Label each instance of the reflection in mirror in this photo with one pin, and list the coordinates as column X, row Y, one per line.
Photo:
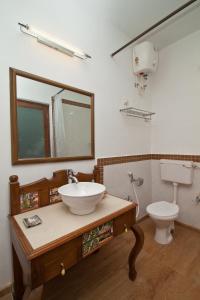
column 33, row 129
column 76, row 116
column 52, row 121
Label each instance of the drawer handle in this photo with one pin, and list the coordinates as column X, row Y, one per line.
column 125, row 228
column 63, row 271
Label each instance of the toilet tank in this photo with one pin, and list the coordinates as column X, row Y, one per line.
column 177, row 171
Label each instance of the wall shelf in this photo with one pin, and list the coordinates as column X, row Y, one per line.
column 137, row 113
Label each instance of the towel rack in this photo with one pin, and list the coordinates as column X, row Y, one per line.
column 137, row 113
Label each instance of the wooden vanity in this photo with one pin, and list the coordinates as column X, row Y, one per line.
column 62, row 240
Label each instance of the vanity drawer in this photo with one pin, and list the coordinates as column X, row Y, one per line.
column 51, row 264
column 124, row 221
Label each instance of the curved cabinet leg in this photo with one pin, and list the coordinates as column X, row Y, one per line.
column 139, row 235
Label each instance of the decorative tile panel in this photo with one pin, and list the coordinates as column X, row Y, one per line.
column 54, row 195
column 93, row 239
column 29, row 201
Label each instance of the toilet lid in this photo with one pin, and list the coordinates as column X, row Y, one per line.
column 163, row 209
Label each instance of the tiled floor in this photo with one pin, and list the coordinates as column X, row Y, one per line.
column 170, row 272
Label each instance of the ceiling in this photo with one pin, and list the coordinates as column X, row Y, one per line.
column 134, row 16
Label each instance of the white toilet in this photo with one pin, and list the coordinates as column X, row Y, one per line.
column 164, row 213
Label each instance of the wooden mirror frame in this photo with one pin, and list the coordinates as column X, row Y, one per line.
column 13, row 114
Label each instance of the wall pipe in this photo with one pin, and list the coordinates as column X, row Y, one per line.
column 182, row 7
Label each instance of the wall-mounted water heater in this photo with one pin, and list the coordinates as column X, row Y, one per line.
column 145, row 58
column 145, row 62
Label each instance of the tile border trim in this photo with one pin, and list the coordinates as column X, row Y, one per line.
column 101, row 162
column 195, row 158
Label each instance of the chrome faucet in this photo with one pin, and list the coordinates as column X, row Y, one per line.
column 138, row 181
column 71, row 176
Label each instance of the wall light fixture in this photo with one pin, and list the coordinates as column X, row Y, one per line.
column 26, row 29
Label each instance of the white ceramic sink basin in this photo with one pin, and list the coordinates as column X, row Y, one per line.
column 82, row 197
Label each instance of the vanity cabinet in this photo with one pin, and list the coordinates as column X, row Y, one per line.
column 55, row 262
column 124, row 222
column 50, row 249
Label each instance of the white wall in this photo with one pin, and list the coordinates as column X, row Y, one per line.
column 175, row 93
column 118, row 184
column 110, row 79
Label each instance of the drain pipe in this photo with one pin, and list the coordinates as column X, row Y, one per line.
column 175, row 185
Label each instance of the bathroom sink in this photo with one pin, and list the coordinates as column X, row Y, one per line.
column 82, row 197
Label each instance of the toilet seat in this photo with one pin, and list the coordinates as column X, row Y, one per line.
column 163, row 210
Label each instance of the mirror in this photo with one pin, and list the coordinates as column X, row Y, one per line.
column 49, row 121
